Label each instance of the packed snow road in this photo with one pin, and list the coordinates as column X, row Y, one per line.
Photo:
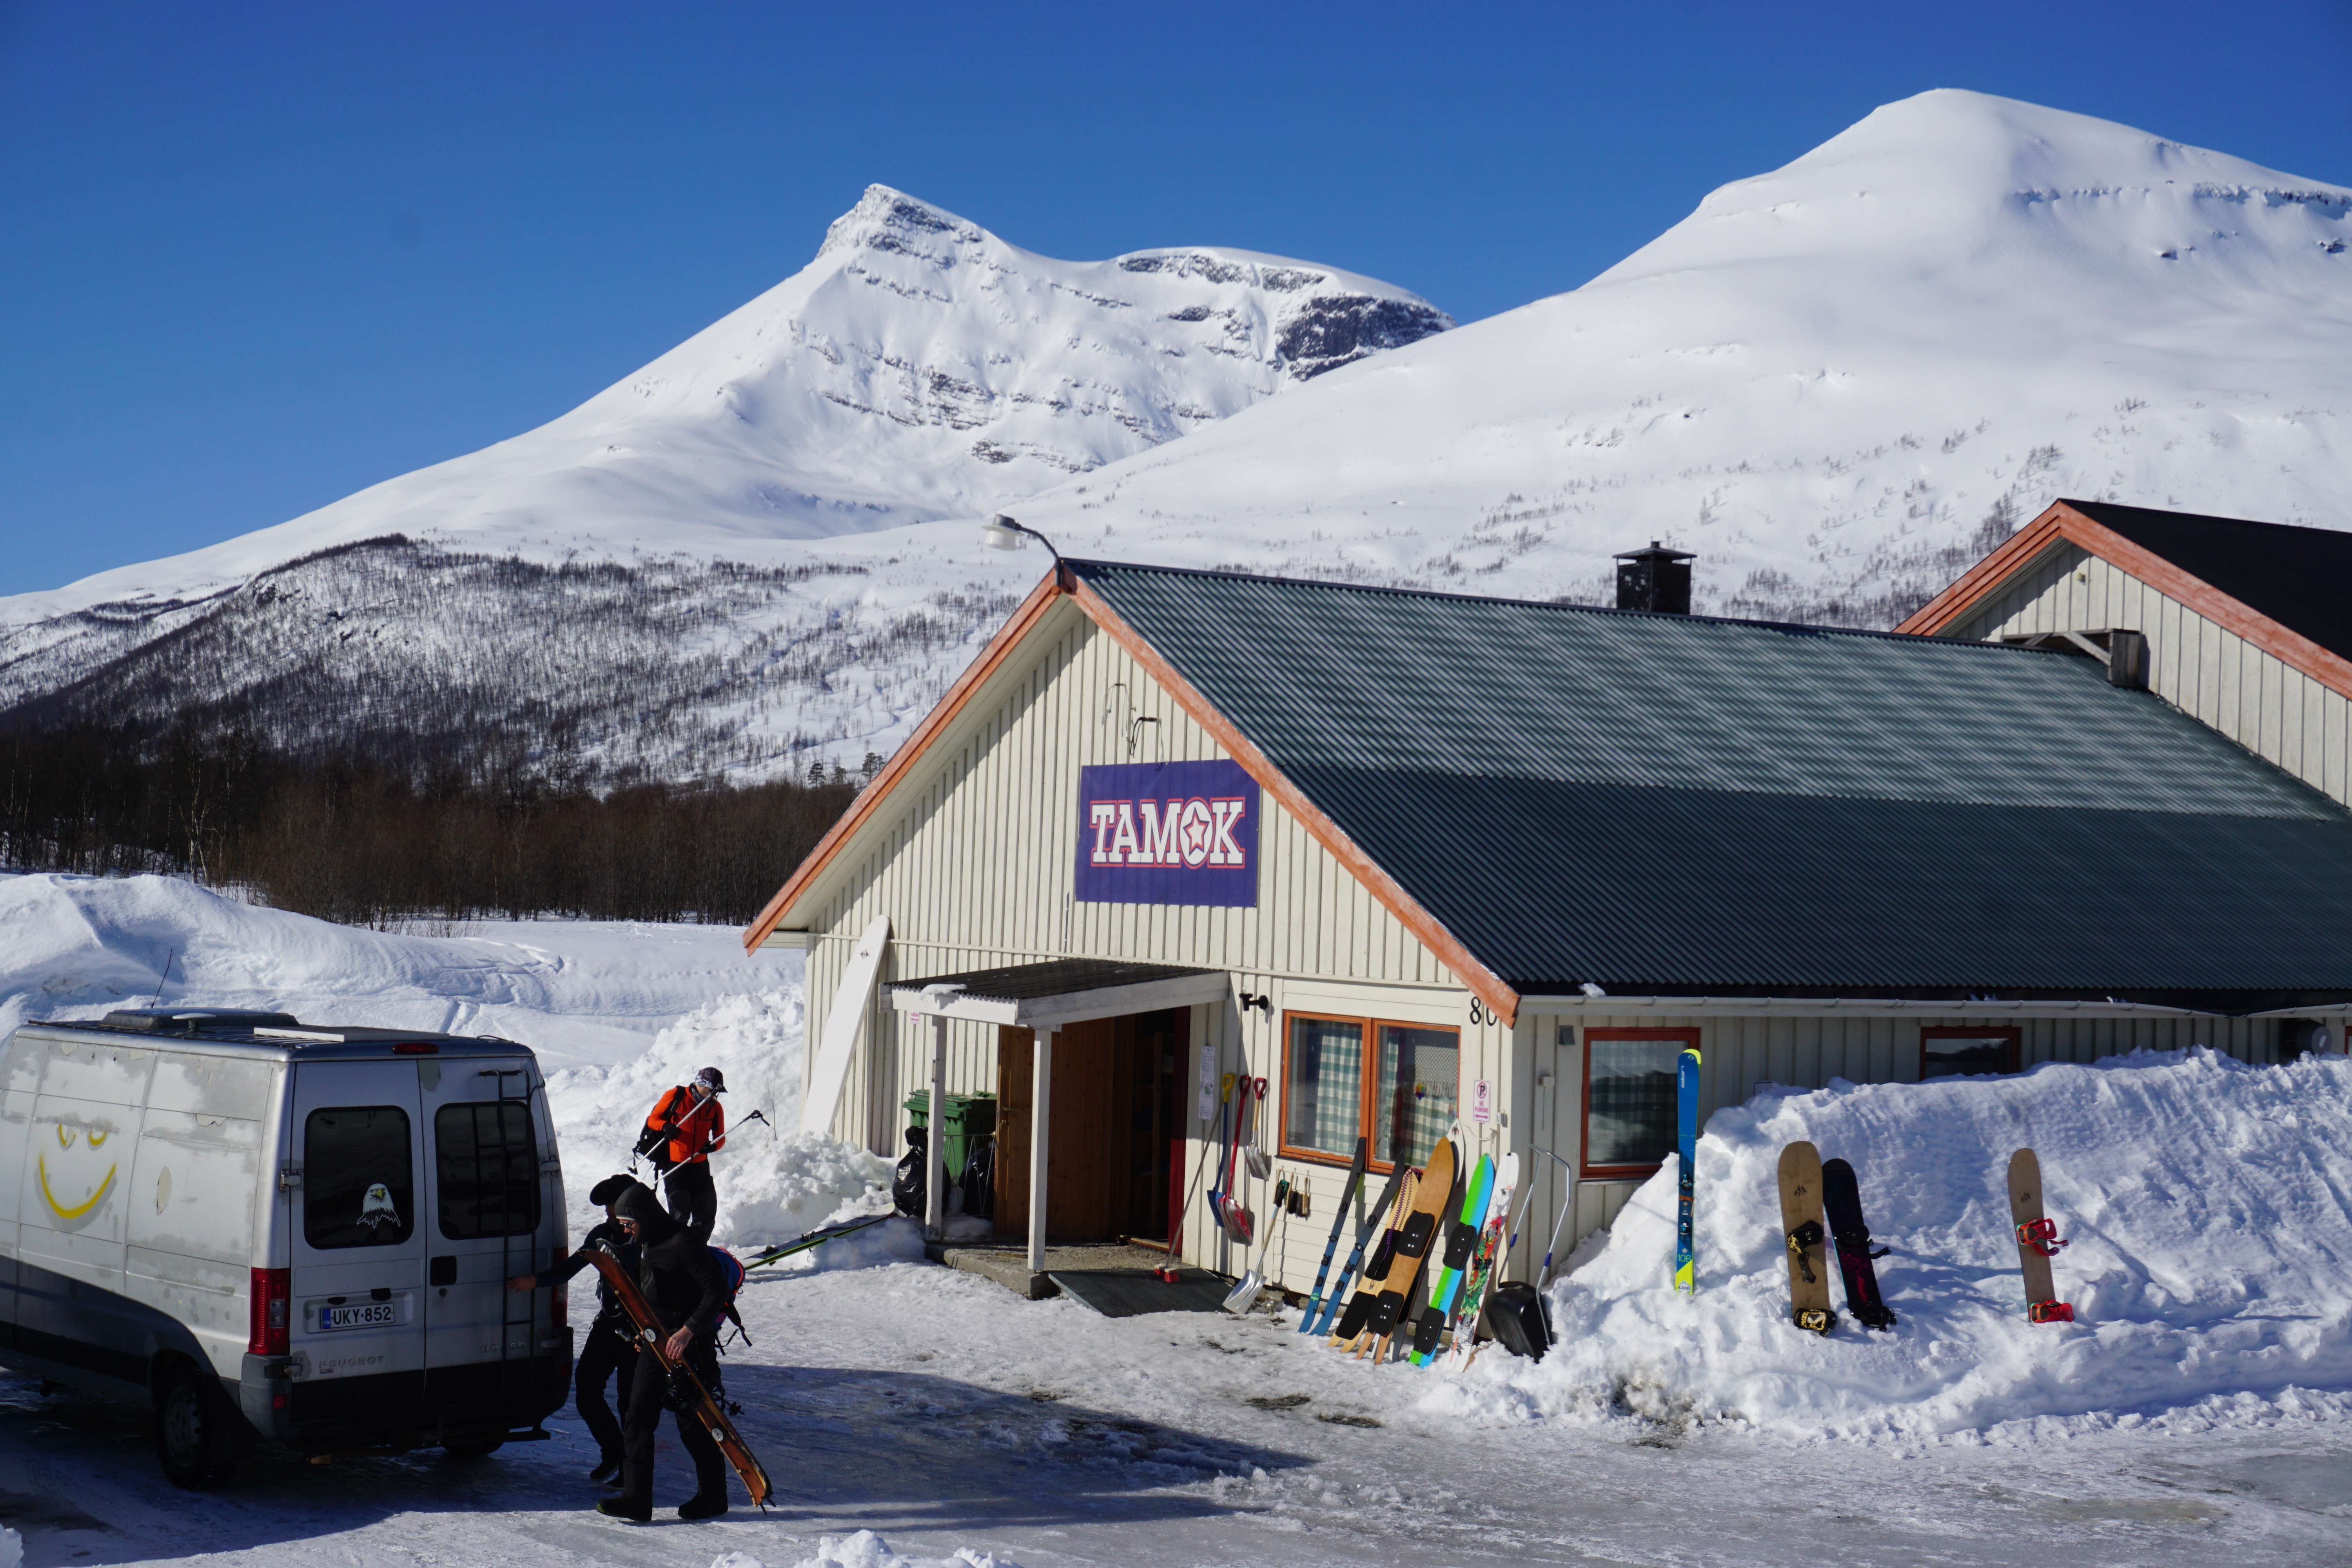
column 939, row 1411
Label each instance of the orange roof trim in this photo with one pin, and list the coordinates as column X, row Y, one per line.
column 2062, row 525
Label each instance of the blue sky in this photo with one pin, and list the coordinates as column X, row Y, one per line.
column 258, row 256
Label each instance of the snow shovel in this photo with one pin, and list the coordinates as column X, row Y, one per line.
column 1239, row 1223
column 1244, row 1294
column 1253, row 1153
column 1218, row 1196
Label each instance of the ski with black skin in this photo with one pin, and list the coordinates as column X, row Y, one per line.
column 1842, row 1208
column 652, row 1340
column 1398, row 1193
column 1313, row 1308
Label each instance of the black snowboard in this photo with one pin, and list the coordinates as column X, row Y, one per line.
column 1841, row 1207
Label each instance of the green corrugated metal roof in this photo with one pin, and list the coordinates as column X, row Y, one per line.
column 1680, row 802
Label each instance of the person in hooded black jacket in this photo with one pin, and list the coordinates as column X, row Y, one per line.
column 612, row 1343
column 682, row 1284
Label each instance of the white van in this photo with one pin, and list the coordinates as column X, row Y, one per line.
column 270, row 1230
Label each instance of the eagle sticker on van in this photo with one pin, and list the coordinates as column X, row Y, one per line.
column 377, row 1209
column 73, row 1183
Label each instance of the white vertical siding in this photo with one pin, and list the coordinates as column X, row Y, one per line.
column 2213, row 674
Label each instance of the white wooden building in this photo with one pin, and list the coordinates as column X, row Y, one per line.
column 1416, row 859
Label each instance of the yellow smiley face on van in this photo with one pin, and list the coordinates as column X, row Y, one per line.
column 76, row 1171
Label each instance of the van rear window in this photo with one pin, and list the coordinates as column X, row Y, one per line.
column 487, row 1160
column 358, row 1183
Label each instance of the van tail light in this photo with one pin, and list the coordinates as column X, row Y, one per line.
column 273, row 1292
column 559, row 1298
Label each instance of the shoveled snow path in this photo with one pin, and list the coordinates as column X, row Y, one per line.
column 939, row 1410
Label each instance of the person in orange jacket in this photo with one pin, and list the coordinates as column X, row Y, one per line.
column 686, row 1127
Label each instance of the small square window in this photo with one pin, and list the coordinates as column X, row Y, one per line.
column 1630, row 1121
column 1952, row 1052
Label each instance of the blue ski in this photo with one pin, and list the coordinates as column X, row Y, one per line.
column 1364, row 1231
column 1314, row 1307
column 1687, row 1143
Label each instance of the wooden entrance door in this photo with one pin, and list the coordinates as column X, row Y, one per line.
column 1116, row 1113
column 1086, row 1158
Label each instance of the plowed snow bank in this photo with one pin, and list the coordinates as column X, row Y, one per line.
column 2211, row 1208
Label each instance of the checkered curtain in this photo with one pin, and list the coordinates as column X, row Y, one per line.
column 1419, row 1090
column 1327, row 1067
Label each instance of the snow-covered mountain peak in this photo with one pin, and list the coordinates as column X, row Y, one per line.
column 885, row 219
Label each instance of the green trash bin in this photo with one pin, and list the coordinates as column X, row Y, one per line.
column 970, row 1116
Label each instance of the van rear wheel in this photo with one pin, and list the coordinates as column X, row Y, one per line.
column 191, row 1432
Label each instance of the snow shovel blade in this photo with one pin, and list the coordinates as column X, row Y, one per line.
column 1243, row 1295
column 1239, row 1224
column 1260, row 1164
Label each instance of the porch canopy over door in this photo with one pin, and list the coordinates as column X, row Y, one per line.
column 1042, row 997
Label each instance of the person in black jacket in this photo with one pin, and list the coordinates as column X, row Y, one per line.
column 682, row 1284
column 612, row 1343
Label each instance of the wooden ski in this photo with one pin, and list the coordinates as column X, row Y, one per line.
column 1801, row 1232
column 2037, row 1240
column 1414, row 1241
column 1350, row 1330
column 653, row 1340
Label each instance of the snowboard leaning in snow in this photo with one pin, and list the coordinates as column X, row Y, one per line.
column 1686, row 1186
column 1841, row 1205
column 700, row 1404
column 2037, row 1240
column 1801, row 1227
column 1413, row 1237
column 1456, row 1254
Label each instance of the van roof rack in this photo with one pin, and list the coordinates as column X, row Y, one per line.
column 188, row 1020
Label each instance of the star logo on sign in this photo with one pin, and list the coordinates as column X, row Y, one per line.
column 1196, row 832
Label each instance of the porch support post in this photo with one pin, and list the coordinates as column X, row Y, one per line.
column 1041, row 1087
column 935, row 1151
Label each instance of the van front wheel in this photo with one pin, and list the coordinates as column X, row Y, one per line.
column 190, row 1438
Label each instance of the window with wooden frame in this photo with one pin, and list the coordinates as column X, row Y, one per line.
column 1953, row 1050
column 1398, row 1085
column 1629, row 1099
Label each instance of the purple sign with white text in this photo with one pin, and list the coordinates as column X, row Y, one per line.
column 1167, row 833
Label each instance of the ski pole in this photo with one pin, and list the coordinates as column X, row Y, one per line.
column 1544, row 1277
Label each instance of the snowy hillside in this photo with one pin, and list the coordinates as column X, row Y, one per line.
column 919, row 367
column 1838, row 383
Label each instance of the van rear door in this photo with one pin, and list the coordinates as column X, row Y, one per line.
column 487, row 1211
column 359, row 1294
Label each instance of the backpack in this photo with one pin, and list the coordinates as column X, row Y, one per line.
column 730, row 1269
column 907, row 1188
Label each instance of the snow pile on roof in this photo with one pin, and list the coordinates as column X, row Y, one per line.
column 2210, row 1205
column 573, row 991
column 774, row 1181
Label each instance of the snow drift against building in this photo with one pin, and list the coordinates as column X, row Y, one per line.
column 2209, row 1207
